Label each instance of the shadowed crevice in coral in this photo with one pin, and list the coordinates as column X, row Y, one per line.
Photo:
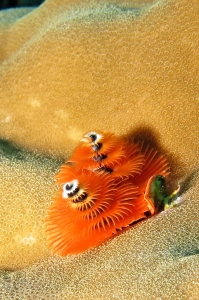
column 5, row 4
column 185, row 250
column 11, row 151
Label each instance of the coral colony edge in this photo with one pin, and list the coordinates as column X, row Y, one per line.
column 107, row 184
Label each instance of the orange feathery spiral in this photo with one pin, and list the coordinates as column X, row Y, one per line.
column 107, row 152
column 105, row 186
column 89, row 209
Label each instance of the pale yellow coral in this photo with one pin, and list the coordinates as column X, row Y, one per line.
column 26, row 189
column 69, row 67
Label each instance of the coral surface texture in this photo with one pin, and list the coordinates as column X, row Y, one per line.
column 69, row 67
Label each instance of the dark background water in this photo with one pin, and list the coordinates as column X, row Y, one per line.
column 18, row 3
